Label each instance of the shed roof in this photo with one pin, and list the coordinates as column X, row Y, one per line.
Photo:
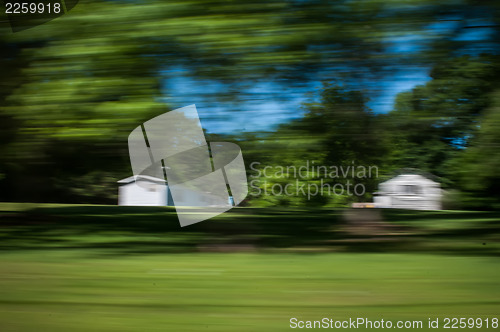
column 411, row 178
column 148, row 178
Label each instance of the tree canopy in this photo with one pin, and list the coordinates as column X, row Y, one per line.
column 72, row 89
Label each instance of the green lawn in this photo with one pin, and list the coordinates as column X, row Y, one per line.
column 74, row 268
column 69, row 291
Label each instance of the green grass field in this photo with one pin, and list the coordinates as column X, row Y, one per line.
column 88, row 268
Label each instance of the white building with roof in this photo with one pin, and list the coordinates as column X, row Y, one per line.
column 409, row 191
column 147, row 191
column 152, row 191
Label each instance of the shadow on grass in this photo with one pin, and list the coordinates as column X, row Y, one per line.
column 117, row 230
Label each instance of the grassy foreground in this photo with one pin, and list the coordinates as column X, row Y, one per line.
column 63, row 291
column 74, row 268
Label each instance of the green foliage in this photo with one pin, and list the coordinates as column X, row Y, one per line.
column 72, row 89
column 433, row 123
column 75, row 87
column 337, row 133
column 477, row 169
column 447, row 127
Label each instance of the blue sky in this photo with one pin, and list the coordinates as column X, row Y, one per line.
column 267, row 104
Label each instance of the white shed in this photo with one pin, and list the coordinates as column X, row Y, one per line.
column 151, row 192
column 409, row 191
column 154, row 191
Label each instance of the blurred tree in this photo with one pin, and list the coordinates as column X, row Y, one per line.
column 477, row 169
column 82, row 90
column 85, row 80
column 433, row 123
column 338, row 132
